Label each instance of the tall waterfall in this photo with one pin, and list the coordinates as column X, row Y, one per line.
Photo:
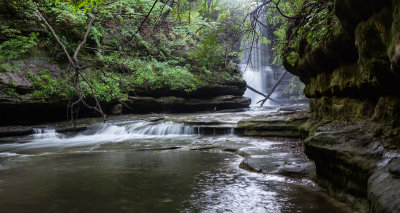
column 255, row 65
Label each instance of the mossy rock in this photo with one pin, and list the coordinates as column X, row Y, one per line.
column 279, row 126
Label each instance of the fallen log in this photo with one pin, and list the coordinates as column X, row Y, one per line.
column 260, row 93
column 273, row 88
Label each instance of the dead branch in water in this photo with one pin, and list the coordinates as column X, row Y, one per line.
column 264, row 95
column 273, row 88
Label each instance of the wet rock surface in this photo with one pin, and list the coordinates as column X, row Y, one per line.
column 284, row 157
column 356, row 165
column 384, row 192
column 281, row 125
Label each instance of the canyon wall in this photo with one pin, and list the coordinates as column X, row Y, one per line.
column 352, row 79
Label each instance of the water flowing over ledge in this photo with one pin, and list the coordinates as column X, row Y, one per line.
column 108, row 132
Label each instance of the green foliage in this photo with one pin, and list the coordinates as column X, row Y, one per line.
column 314, row 21
column 10, row 92
column 48, row 88
column 85, row 5
column 295, row 89
column 155, row 57
column 210, row 51
column 105, row 89
column 6, row 67
column 179, row 78
column 15, row 43
column 319, row 25
column 152, row 75
column 9, row 67
column 281, row 26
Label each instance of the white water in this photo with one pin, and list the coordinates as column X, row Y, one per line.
column 255, row 65
column 107, row 132
column 46, row 134
column 141, row 128
column 258, row 78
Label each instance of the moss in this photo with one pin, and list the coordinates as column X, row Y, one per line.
column 295, row 89
column 387, row 116
column 309, row 128
column 48, row 88
column 318, row 86
column 374, row 41
column 10, row 91
column 343, row 81
column 342, row 109
column 272, row 128
column 6, row 67
column 9, row 67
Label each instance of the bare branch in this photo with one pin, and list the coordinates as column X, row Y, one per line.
column 262, row 94
column 273, row 88
column 281, row 13
column 74, row 62
column 144, row 20
column 55, row 35
column 84, row 39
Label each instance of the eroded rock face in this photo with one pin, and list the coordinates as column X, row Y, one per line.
column 283, row 125
column 179, row 104
column 383, row 188
column 353, row 82
column 31, row 112
column 25, row 109
column 14, row 74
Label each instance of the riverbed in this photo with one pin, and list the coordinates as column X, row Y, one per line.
column 157, row 163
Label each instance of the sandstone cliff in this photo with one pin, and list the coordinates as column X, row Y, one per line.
column 353, row 81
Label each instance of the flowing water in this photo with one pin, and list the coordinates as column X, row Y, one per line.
column 134, row 165
column 256, row 64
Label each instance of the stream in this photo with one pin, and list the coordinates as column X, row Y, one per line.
column 154, row 163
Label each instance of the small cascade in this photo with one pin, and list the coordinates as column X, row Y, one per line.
column 46, row 134
column 141, row 128
column 166, row 128
column 108, row 132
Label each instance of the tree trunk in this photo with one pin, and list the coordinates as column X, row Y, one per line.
column 260, row 93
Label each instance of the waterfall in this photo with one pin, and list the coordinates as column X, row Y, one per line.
column 256, row 64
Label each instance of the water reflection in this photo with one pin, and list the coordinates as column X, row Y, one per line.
column 168, row 181
column 95, row 171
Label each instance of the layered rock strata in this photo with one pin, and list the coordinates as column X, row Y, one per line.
column 353, row 82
